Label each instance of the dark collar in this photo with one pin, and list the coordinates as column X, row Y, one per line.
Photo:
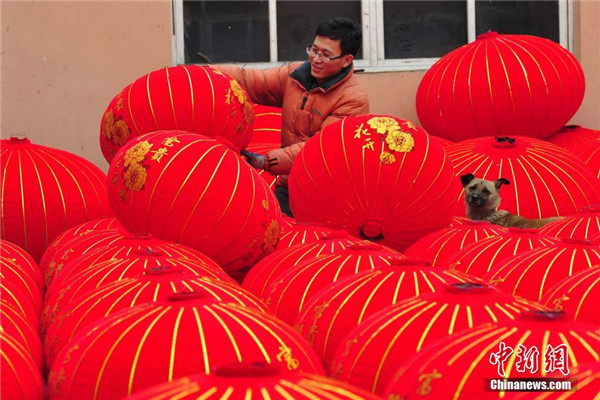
column 303, row 76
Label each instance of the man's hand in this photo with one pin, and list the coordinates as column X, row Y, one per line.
column 254, row 159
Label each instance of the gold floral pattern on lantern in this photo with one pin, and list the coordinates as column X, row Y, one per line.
column 390, row 133
column 384, row 125
column 387, row 158
column 400, row 141
column 115, row 130
column 271, row 236
column 238, row 91
column 137, row 153
column 135, row 177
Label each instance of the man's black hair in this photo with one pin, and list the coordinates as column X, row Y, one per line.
column 342, row 28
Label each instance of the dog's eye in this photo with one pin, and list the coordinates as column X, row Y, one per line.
column 485, row 191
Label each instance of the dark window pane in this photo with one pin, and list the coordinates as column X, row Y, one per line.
column 423, row 29
column 297, row 22
column 539, row 18
column 226, row 31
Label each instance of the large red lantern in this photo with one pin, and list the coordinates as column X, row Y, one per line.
column 372, row 352
column 479, row 258
column 153, row 285
column 184, row 97
column 301, row 233
column 269, row 268
column 572, row 137
column 545, row 179
column 531, row 274
column 461, row 366
column 333, row 312
column 194, row 190
column 289, row 293
column 20, row 377
column 501, row 85
column 267, row 124
column 577, row 295
column 15, row 325
column 239, row 381
column 438, row 246
column 589, row 153
column 22, row 280
column 583, row 225
column 20, row 258
column 157, row 342
column 381, row 178
column 46, row 191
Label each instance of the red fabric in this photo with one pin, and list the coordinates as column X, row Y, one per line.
column 477, row 259
column 141, row 346
column 16, row 326
column 237, row 381
column 443, row 141
column 267, row 125
column 11, row 297
column 20, row 378
column 545, row 180
column 455, row 367
column 185, row 97
column 501, row 85
column 531, row 274
column 289, row 293
column 437, row 247
column 583, row 225
column 46, row 191
column 333, row 312
column 589, row 153
column 573, row 136
column 82, row 278
column 23, row 261
column 22, row 280
column 193, row 190
column 269, row 268
column 376, row 176
column 301, row 233
column 577, row 295
column 151, row 286
column 371, row 353
column 75, row 232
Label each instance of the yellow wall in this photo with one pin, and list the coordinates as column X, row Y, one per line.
column 62, row 62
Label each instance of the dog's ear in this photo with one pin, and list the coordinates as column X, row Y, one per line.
column 500, row 182
column 466, row 179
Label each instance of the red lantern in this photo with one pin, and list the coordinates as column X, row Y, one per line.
column 46, row 191
column 269, row 268
column 76, row 232
column 301, row 233
column 267, row 125
column 156, row 342
column 573, row 136
column 462, row 365
column 333, row 312
column 78, row 281
column 590, row 154
column 19, row 375
column 22, row 260
column 22, row 281
column 501, row 85
column 458, row 220
column 197, row 193
column 240, row 380
column 481, row 257
column 381, row 178
column 372, row 352
column 531, row 274
column 443, row 141
column 28, row 303
column 583, row 225
column 16, row 326
column 185, row 97
column 153, row 285
column 289, row 293
column 437, row 247
column 577, row 295
column 545, row 180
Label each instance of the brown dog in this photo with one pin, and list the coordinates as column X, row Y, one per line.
column 482, row 199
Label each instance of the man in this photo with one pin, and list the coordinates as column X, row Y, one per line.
column 312, row 94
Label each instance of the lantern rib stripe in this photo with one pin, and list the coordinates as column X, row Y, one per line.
column 16, row 374
column 136, row 358
column 283, row 393
column 23, row 200
column 498, row 333
column 89, row 176
column 456, row 69
column 583, row 297
column 43, row 198
column 585, row 344
column 150, row 101
column 431, row 183
column 490, row 89
column 249, row 331
column 428, row 96
column 212, row 91
column 428, row 327
column 438, row 120
column 305, row 393
column 171, row 97
column 192, row 99
column 543, row 163
column 521, row 160
column 523, row 69
column 130, row 111
column 571, row 354
column 15, row 300
column 173, row 344
column 368, row 300
column 348, row 169
column 204, row 355
column 3, row 185
column 513, row 357
column 470, row 84
column 333, row 180
column 508, row 85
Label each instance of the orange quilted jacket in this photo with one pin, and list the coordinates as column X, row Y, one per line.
column 306, row 108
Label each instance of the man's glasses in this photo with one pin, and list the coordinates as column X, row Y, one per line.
column 312, row 51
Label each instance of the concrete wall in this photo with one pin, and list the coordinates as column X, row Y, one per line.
column 62, row 62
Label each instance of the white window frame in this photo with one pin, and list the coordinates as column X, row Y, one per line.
column 372, row 28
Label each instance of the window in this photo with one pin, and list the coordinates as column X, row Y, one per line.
column 397, row 35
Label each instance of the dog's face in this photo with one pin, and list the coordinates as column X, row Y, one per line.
column 481, row 195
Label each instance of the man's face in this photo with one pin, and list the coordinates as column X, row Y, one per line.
column 321, row 67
